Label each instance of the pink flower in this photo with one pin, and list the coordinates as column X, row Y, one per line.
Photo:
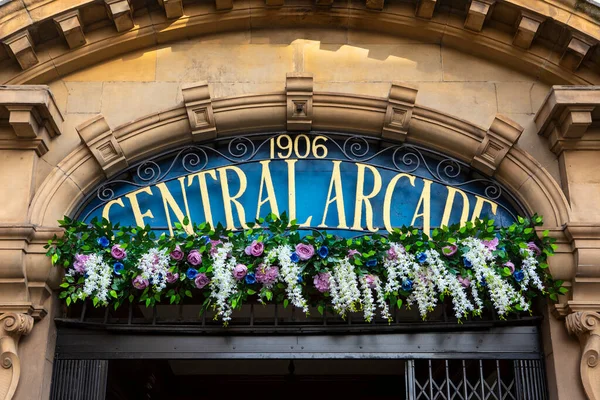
column 491, row 244
column 391, row 254
column 194, row 258
column 201, row 280
column 533, row 247
column 267, row 276
column 171, row 277
column 140, row 283
column 321, row 281
column 371, row 280
column 213, row 246
column 177, row 254
column 464, row 281
column 305, row 251
column 510, row 266
column 449, row 250
column 255, row 249
column 352, row 253
column 79, row 264
column 117, row 252
column 240, row 271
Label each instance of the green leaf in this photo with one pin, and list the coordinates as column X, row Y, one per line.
column 269, row 295
column 54, row 259
column 114, row 294
column 399, row 303
column 285, row 303
column 188, row 293
column 68, row 301
column 64, row 285
column 251, row 292
column 320, row 309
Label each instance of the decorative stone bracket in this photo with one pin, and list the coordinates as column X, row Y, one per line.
column 33, row 115
column 121, row 13
column 12, row 327
column 499, row 139
column 586, row 326
column 101, row 141
column 401, row 102
column 199, row 108
column 299, row 94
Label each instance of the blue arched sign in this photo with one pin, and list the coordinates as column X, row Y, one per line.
column 346, row 183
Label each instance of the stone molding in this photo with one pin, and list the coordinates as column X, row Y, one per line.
column 586, row 326
column 299, row 93
column 33, row 115
column 499, row 139
column 401, row 102
column 151, row 28
column 198, row 104
column 12, row 327
column 98, row 137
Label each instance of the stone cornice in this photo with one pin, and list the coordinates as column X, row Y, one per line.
column 571, row 60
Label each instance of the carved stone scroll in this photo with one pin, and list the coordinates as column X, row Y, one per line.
column 586, row 326
column 12, row 327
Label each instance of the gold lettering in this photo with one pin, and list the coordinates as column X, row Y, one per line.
column 292, row 192
column 362, row 198
column 464, row 216
column 479, row 206
column 336, row 179
column 169, row 202
column 106, row 209
column 425, row 202
column 204, row 192
column 387, row 202
column 228, row 199
column 265, row 180
column 135, row 206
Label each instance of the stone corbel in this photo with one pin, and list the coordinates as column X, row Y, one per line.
column 99, row 138
column 71, row 28
column 575, row 52
column 21, row 46
column 425, row 8
column 173, row 8
column 12, row 327
column 121, row 12
column 498, row 140
column 401, row 102
column 375, row 4
column 477, row 13
column 586, row 326
column 33, row 115
column 198, row 104
column 299, row 93
column 528, row 25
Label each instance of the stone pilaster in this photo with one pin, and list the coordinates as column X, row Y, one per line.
column 12, row 327
column 586, row 326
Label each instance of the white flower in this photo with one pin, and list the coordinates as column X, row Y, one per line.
column 154, row 266
column 223, row 284
column 344, row 291
column 289, row 273
column 530, row 265
column 98, row 279
column 368, row 304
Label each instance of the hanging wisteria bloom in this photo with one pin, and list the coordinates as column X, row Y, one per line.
column 223, row 284
column 345, row 294
column 290, row 271
column 154, row 266
column 98, row 278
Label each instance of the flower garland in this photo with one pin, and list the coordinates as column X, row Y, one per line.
column 476, row 266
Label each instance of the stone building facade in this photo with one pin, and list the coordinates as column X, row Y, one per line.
column 88, row 87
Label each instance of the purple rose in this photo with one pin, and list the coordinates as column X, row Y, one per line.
column 171, row 277
column 201, row 280
column 213, row 246
column 491, row 244
column 305, row 251
column 352, row 253
column 117, row 252
column 240, row 271
column 533, row 247
column 79, row 264
column 194, row 258
column 321, row 281
column 255, row 249
column 449, row 250
column 267, row 276
column 371, row 280
column 140, row 283
column 510, row 266
column 391, row 254
column 177, row 254
column 464, row 281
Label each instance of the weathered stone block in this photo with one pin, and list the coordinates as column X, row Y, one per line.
column 21, row 46
column 71, row 28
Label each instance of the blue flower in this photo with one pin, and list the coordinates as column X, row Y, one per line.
column 103, row 241
column 407, row 285
column 467, row 262
column 519, row 275
column 118, row 267
column 323, row 251
column 205, row 238
column 295, row 257
column 372, row 262
column 483, row 282
column 300, row 280
column 250, row 279
column 422, row 257
column 191, row 273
